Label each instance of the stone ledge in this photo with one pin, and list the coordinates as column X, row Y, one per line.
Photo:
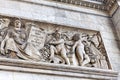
column 56, row 69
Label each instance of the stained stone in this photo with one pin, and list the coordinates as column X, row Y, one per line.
column 59, row 39
column 37, row 37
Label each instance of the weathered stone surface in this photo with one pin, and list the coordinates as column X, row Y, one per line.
column 37, row 37
column 35, row 69
column 52, row 43
column 73, row 16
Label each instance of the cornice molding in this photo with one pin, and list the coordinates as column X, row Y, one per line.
column 105, row 8
column 104, row 5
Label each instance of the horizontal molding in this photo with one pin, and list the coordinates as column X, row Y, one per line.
column 104, row 5
column 105, row 9
column 56, row 69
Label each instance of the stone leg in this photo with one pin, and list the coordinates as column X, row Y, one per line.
column 71, row 61
column 86, row 61
column 79, row 57
column 52, row 52
column 64, row 56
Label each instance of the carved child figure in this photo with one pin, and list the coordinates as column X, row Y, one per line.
column 58, row 47
column 78, row 49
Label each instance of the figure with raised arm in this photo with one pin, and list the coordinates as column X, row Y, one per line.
column 57, row 47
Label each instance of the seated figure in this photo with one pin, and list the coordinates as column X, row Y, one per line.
column 15, row 44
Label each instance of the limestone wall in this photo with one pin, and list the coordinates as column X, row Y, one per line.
column 116, row 22
column 43, row 11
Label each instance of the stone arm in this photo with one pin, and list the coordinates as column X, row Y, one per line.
column 83, row 49
column 57, row 42
column 74, row 46
column 3, row 44
column 21, row 38
column 2, row 47
column 24, row 45
column 69, row 43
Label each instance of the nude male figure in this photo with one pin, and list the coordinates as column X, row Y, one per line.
column 57, row 47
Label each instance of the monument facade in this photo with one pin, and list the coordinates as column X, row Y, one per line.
column 59, row 39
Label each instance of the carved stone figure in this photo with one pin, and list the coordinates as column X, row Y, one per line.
column 13, row 36
column 91, row 48
column 70, row 54
column 15, row 44
column 58, row 47
column 34, row 42
column 78, row 49
column 4, row 22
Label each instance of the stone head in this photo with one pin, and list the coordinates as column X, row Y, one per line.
column 76, row 37
column 57, row 34
column 17, row 24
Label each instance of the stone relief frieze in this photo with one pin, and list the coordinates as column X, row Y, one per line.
column 43, row 42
